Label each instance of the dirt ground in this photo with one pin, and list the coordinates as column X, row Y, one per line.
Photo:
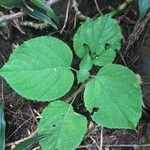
column 22, row 116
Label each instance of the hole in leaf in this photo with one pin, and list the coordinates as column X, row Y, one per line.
column 87, row 48
column 107, row 46
column 54, row 126
column 95, row 109
column 85, row 45
column 115, row 50
column 94, row 55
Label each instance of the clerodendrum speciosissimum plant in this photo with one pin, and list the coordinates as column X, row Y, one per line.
column 40, row 69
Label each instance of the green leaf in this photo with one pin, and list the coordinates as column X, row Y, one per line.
column 40, row 16
column 42, row 4
column 144, row 6
column 102, row 35
column 27, row 143
column 115, row 96
column 85, row 66
column 11, row 3
column 39, row 69
column 105, row 58
column 82, row 75
column 2, row 127
column 65, row 127
column 47, row 16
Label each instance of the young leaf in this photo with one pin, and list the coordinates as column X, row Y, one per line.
column 25, row 144
column 115, row 96
column 144, row 6
column 2, row 127
column 85, row 66
column 102, row 35
column 40, row 69
column 82, row 75
column 65, row 127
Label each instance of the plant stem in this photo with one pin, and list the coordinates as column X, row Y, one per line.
column 78, row 91
column 121, row 7
column 78, row 12
column 35, row 25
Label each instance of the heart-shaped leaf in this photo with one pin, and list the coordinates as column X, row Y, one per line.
column 115, row 96
column 102, row 36
column 65, row 127
column 40, row 69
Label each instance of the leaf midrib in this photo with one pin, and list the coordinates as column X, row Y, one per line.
column 116, row 103
column 33, row 70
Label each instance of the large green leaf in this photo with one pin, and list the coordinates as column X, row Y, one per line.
column 144, row 6
column 102, row 35
column 40, row 69
column 65, row 127
column 116, row 97
column 11, row 3
column 2, row 127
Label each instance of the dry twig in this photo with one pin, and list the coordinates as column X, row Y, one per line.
column 66, row 18
column 13, row 144
column 138, row 29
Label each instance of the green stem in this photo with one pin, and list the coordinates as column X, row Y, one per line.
column 78, row 12
column 74, row 95
column 121, row 7
column 35, row 25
